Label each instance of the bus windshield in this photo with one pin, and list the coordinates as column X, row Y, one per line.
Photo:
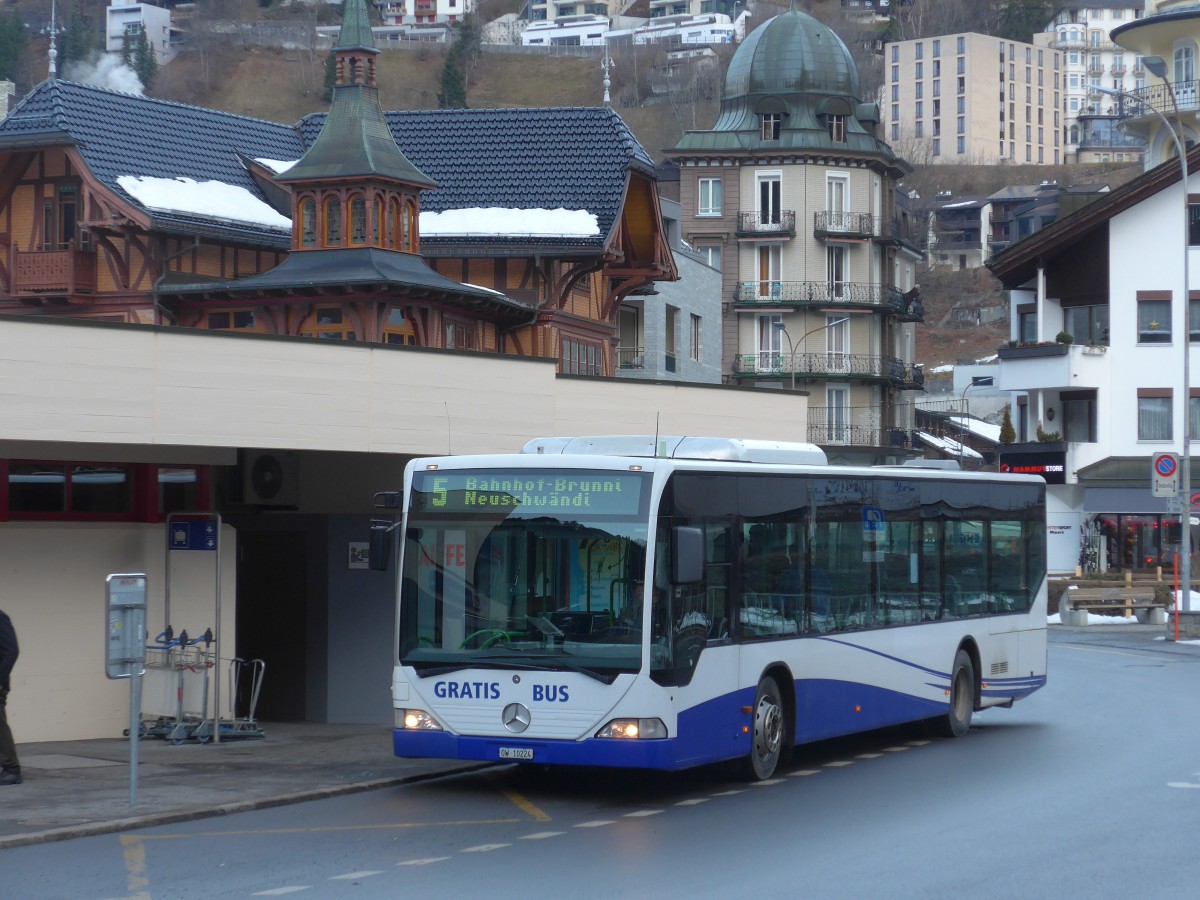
column 524, row 568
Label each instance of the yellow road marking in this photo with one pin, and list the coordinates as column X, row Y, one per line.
column 523, row 804
column 135, row 868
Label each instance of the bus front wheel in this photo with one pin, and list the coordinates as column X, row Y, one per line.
column 766, row 744
column 962, row 696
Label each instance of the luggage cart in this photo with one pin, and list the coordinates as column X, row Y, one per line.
column 169, row 661
column 247, row 672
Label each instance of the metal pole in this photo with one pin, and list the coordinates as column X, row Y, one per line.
column 1185, row 519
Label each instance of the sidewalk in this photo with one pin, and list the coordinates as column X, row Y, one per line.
column 77, row 788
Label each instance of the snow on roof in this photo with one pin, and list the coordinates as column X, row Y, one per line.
column 978, row 427
column 984, row 360
column 960, row 203
column 495, row 221
column 938, row 370
column 950, row 446
column 278, row 166
column 210, row 199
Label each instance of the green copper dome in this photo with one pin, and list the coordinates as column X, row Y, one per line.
column 791, row 53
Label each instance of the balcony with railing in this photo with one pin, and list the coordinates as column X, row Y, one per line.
column 829, row 365
column 767, row 223
column 1142, row 103
column 825, row 295
column 835, row 225
column 631, row 358
column 65, row 270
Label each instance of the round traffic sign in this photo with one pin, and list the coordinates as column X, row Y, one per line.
column 1165, row 465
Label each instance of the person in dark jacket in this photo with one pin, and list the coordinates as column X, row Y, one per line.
column 10, row 768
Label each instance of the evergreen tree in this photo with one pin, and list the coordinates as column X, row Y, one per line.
column 127, row 49
column 330, row 76
column 1008, row 434
column 1020, row 20
column 144, row 62
column 78, row 40
column 453, row 94
column 462, row 55
column 12, row 44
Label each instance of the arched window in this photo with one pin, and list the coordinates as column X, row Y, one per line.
column 308, row 222
column 333, row 222
column 392, row 239
column 376, row 221
column 358, row 220
column 410, row 223
column 1185, row 66
column 1074, row 139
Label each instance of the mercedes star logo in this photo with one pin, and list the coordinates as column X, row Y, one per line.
column 515, row 717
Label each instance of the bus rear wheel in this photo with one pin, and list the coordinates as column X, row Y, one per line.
column 766, row 745
column 962, row 696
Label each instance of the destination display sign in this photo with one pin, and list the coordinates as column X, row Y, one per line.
column 527, row 492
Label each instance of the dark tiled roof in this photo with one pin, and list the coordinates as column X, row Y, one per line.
column 574, row 158
column 124, row 134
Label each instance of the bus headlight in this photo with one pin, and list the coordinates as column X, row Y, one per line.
column 634, row 729
column 416, row 720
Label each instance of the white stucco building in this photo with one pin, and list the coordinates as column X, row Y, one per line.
column 128, row 17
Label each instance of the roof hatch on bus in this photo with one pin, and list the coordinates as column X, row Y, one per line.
column 682, row 447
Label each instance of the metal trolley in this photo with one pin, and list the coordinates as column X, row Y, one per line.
column 177, row 670
column 175, row 702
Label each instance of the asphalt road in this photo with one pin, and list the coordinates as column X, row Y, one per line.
column 1089, row 788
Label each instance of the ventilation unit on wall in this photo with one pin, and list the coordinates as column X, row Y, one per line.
column 270, row 478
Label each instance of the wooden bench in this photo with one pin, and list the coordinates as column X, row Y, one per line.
column 1075, row 604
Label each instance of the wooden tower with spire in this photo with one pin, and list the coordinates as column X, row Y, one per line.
column 354, row 188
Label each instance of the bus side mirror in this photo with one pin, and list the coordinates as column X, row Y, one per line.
column 379, row 551
column 687, row 555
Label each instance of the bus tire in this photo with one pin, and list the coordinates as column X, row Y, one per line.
column 767, row 738
column 962, row 696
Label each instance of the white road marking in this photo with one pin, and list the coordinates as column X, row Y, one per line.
column 423, row 862
column 917, row 743
column 541, row 835
column 839, row 762
column 350, row 876
column 768, row 782
column 728, row 793
column 693, row 802
column 279, row 892
column 894, row 749
column 1182, row 784
column 800, row 772
column 595, row 823
column 868, row 756
column 485, row 848
column 642, row 813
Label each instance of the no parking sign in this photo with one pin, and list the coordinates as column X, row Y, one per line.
column 1164, row 475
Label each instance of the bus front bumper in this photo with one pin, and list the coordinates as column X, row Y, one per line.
column 636, row 754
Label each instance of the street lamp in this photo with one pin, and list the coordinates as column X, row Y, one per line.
column 976, row 381
column 778, row 323
column 1157, row 67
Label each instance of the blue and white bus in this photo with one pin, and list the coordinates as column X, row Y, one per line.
column 667, row 602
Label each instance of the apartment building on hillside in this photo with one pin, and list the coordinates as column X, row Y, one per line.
column 970, row 98
column 1081, row 30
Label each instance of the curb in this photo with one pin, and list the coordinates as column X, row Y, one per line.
column 112, row 826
